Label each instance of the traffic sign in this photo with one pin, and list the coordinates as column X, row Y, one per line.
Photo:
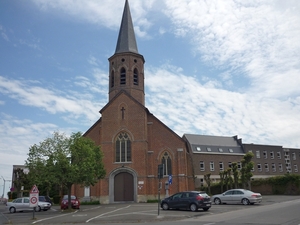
column 34, row 196
column 34, row 189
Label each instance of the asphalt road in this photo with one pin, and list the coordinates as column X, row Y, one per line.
column 283, row 210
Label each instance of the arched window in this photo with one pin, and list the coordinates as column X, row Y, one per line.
column 123, row 76
column 112, row 84
column 135, row 77
column 123, row 148
column 166, row 160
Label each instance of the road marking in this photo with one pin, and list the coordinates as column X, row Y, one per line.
column 107, row 213
column 54, row 217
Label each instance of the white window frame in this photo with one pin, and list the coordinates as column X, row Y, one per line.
column 221, row 165
column 212, row 166
column 272, row 155
column 258, row 154
column 203, row 166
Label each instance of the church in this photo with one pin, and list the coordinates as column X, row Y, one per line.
column 134, row 142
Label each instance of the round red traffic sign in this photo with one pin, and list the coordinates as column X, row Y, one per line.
column 33, row 200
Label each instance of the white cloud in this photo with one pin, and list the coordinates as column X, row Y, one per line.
column 258, row 39
column 191, row 107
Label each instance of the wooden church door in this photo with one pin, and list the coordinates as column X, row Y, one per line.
column 123, row 187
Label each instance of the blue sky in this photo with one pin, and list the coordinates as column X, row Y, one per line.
column 212, row 67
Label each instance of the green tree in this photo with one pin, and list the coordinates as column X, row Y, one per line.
column 247, row 167
column 208, row 181
column 64, row 161
column 235, row 173
column 222, row 178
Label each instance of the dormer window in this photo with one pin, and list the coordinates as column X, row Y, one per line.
column 198, row 149
column 123, row 76
column 230, row 150
column 220, row 150
column 208, row 149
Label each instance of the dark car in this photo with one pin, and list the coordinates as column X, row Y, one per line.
column 75, row 203
column 192, row 200
column 43, row 198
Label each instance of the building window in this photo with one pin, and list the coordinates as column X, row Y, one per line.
column 135, row 77
column 259, row 167
column 258, row 154
column 166, row 160
column 212, row 166
column 112, row 77
column 123, row 76
column 239, row 164
column 265, row 154
column 279, row 155
column 266, row 167
column 208, row 149
column 221, row 166
column 273, row 167
column 229, row 164
column 230, row 150
column 220, row 150
column 280, row 167
column 272, row 155
column 198, row 149
column 295, row 168
column 294, row 156
column 202, row 166
column 123, row 148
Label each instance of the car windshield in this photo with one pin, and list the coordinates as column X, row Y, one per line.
column 66, row 197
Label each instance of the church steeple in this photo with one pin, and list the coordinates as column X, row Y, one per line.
column 126, row 66
column 126, row 40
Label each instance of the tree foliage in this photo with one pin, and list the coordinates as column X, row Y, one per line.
column 64, row 161
column 247, row 167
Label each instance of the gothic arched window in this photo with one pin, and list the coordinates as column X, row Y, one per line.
column 123, row 148
column 135, row 77
column 166, row 160
column 123, row 76
column 112, row 84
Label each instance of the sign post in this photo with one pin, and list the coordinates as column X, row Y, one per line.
column 34, row 198
column 160, row 174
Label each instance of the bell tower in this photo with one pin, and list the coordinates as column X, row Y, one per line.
column 126, row 66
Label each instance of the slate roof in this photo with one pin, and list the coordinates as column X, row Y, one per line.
column 126, row 40
column 214, row 144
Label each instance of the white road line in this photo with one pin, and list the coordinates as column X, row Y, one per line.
column 107, row 213
column 49, row 218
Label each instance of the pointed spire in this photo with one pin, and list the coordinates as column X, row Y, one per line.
column 126, row 40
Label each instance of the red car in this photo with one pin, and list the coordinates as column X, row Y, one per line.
column 75, row 203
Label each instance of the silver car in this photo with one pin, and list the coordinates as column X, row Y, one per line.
column 22, row 204
column 237, row 196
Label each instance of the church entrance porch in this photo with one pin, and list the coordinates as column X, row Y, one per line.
column 123, row 185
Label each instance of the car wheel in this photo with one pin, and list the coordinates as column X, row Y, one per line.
column 245, row 201
column 12, row 210
column 206, row 209
column 217, row 201
column 37, row 208
column 193, row 207
column 165, row 206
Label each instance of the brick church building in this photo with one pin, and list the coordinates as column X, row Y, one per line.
column 134, row 142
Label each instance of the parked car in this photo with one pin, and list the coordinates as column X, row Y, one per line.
column 192, row 200
column 237, row 196
column 75, row 203
column 22, row 204
column 44, row 198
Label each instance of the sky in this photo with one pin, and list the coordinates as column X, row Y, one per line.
column 220, row 68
